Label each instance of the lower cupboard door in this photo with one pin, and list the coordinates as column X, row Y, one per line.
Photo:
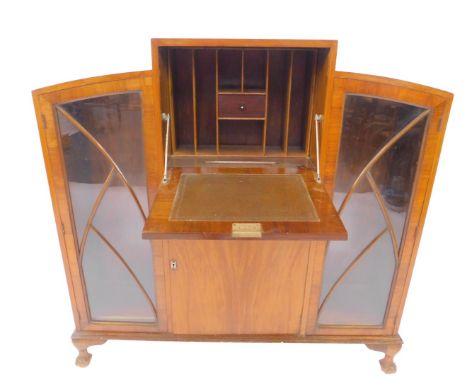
column 237, row 287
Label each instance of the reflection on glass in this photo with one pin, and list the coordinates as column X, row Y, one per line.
column 108, row 208
column 359, row 272
column 362, row 296
column 112, row 294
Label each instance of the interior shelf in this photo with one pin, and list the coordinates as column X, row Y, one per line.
column 237, row 150
column 241, row 118
column 245, row 91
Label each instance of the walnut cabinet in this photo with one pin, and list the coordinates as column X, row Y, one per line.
column 240, row 190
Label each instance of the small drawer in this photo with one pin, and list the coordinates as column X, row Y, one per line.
column 241, row 105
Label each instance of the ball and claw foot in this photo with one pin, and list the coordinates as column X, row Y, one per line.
column 82, row 344
column 388, row 366
column 386, row 363
column 83, row 359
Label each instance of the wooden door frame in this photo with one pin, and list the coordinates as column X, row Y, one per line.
column 44, row 101
column 439, row 103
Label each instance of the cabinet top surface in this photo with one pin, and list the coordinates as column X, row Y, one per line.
column 176, row 42
column 218, row 197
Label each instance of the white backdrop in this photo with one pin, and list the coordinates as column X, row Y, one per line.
column 45, row 42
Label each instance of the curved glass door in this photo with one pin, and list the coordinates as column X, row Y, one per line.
column 102, row 143
column 379, row 155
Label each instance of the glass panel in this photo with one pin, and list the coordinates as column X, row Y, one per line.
column 359, row 272
column 115, row 121
column 112, row 294
column 87, row 170
column 362, row 297
column 116, row 214
column 109, row 214
column 344, row 251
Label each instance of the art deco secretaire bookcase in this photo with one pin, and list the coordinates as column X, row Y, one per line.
column 241, row 190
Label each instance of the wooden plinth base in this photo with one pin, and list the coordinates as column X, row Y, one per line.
column 389, row 345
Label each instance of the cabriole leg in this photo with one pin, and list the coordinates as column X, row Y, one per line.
column 82, row 344
column 390, row 350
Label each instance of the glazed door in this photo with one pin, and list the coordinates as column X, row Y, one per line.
column 381, row 146
column 103, row 160
column 237, row 287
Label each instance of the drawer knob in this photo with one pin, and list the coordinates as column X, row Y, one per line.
column 242, row 107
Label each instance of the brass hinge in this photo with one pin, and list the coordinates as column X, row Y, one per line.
column 416, row 231
column 44, row 121
column 440, row 125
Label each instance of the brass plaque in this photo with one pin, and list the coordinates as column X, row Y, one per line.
column 252, row 230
